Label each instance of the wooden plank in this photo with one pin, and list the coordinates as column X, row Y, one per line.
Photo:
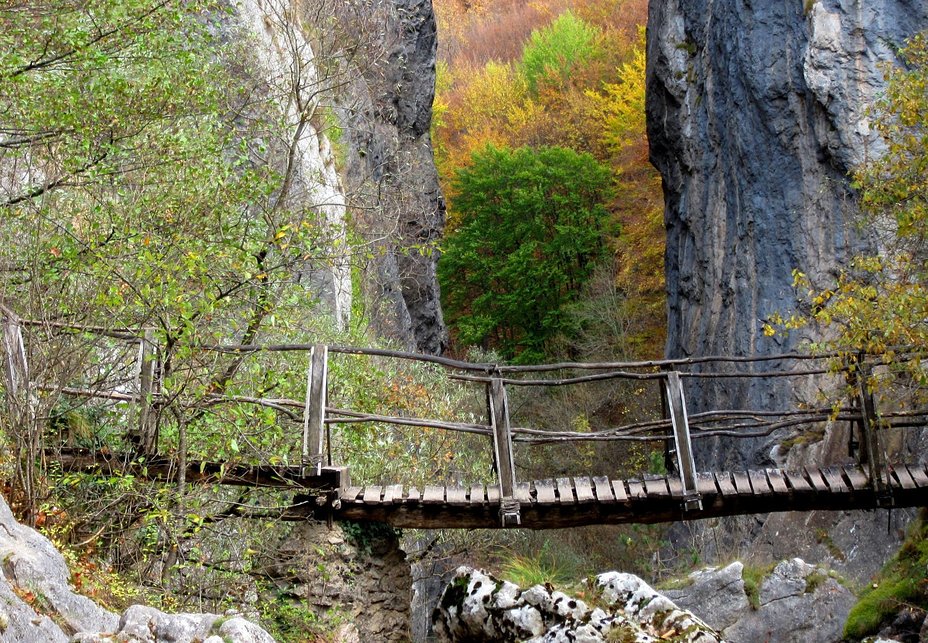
column 834, row 479
column 636, row 490
column 388, row 494
column 372, row 495
column 603, row 490
column 676, row 404
column 544, row 491
column 742, row 483
column 814, row 476
column 477, row 495
column 493, row 494
column 565, row 491
column 676, row 486
column 705, row 484
column 148, row 430
column 618, row 488
column 457, row 496
column 857, row 477
column 918, row 475
column 797, row 481
column 523, row 492
column 777, row 483
column 413, row 495
column 656, row 487
column 759, row 484
column 584, row 490
column 350, row 494
column 905, row 480
column 396, row 494
column 433, row 495
column 723, row 480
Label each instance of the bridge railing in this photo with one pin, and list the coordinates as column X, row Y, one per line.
column 680, row 428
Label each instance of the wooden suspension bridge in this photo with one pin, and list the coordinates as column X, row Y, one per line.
column 323, row 489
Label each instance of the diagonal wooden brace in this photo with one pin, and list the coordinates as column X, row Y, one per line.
column 686, row 466
column 498, row 408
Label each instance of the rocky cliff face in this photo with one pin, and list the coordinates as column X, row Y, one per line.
column 386, row 112
column 756, row 113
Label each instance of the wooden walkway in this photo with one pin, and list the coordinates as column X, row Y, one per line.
column 569, row 502
column 317, row 489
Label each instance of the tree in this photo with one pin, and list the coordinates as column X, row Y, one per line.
column 530, row 233
column 553, row 52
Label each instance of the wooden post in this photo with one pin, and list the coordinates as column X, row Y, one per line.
column 147, row 425
column 871, row 452
column 681, row 437
column 498, row 407
column 22, row 405
column 15, row 365
column 670, row 453
column 314, row 411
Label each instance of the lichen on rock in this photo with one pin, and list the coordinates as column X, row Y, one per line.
column 479, row 607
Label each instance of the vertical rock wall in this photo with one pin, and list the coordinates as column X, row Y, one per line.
column 357, row 576
column 386, row 113
column 756, row 114
column 757, row 111
column 297, row 81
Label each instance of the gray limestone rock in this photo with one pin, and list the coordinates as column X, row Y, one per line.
column 757, row 112
column 33, row 568
column 797, row 603
column 32, row 564
column 716, row 594
column 390, row 176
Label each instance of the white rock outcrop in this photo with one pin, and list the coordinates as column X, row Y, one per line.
column 478, row 607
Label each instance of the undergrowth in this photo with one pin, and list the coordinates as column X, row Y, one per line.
column 903, row 582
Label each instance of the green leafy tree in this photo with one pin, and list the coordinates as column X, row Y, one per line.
column 553, row 52
column 530, row 233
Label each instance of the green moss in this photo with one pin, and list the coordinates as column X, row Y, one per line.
column 902, row 582
column 753, row 577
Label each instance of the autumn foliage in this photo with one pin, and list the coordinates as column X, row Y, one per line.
column 566, row 74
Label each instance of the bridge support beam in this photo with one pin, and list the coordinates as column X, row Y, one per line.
column 871, row 451
column 683, row 448
column 148, row 425
column 498, row 409
column 314, row 411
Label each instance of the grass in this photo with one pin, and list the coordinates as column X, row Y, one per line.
column 540, row 569
column 901, row 583
column 753, row 576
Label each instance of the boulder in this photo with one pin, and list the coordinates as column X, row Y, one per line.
column 37, row 603
column 796, row 602
column 476, row 606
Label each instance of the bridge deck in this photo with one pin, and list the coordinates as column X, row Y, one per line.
column 567, row 502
